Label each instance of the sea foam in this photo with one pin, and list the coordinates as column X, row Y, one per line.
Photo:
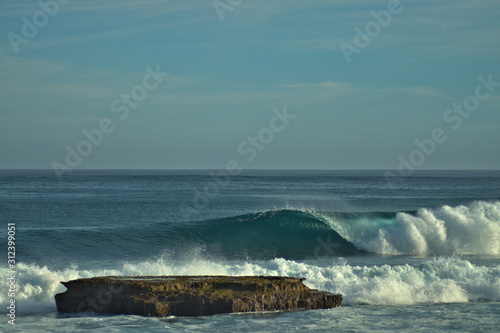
column 471, row 229
column 442, row 280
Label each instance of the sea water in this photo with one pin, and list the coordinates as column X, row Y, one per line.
column 413, row 253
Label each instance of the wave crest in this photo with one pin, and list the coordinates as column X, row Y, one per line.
column 472, row 229
column 284, row 233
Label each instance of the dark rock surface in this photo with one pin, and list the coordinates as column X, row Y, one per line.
column 162, row 296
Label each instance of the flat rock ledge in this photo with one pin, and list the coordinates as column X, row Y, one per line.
column 161, row 296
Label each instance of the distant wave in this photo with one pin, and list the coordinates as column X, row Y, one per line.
column 286, row 233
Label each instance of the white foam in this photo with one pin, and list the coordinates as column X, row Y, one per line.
column 433, row 281
column 37, row 286
column 473, row 229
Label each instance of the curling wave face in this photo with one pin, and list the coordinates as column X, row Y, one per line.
column 285, row 233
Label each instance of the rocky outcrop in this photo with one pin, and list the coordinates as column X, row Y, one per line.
column 162, row 296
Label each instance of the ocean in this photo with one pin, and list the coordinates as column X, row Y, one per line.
column 412, row 253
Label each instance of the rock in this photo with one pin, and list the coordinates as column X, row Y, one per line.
column 162, row 296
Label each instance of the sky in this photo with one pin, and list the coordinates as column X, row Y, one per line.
column 203, row 84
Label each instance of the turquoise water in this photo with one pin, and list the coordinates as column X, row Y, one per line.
column 423, row 255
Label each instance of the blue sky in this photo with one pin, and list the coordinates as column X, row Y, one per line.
column 226, row 76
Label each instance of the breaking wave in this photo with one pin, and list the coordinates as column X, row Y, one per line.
column 443, row 280
column 284, row 233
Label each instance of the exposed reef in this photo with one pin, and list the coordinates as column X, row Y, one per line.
column 161, row 296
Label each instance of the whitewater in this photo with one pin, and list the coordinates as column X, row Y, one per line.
column 439, row 280
column 423, row 256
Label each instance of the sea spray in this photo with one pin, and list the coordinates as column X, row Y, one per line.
column 442, row 280
column 471, row 229
column 283, row 233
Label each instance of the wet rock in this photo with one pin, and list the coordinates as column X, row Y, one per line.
column 162, row 296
